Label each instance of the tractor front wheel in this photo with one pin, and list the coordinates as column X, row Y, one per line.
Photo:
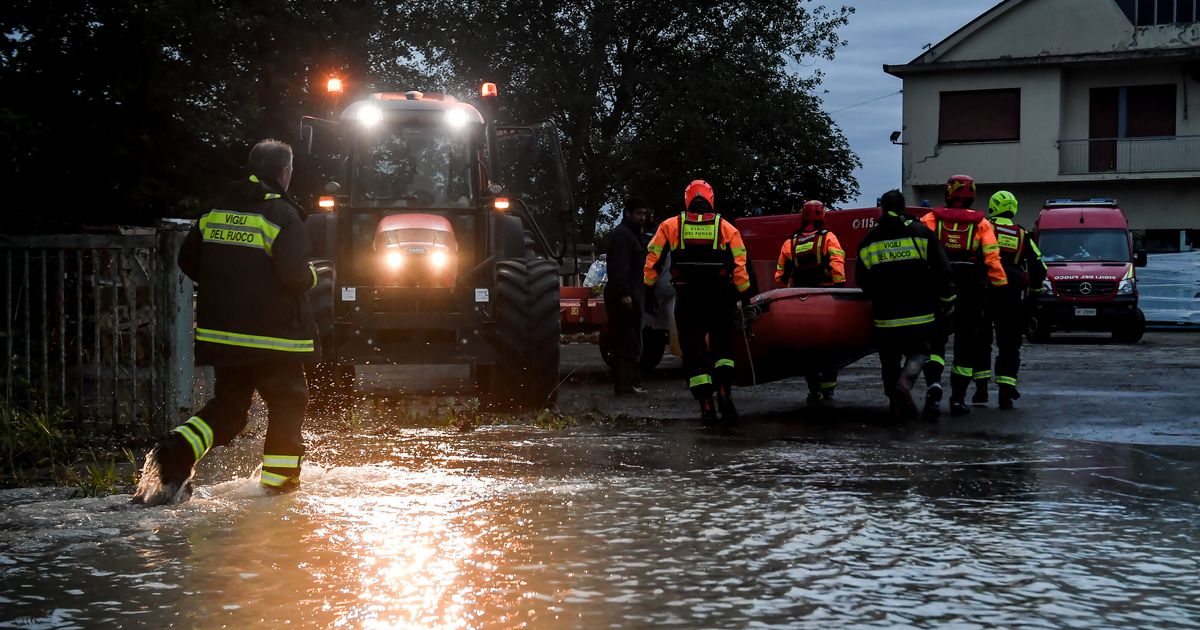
column 526, row 334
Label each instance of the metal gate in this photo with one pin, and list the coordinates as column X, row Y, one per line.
column 99, row 327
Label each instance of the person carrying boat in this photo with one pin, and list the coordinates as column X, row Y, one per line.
column 974, row 256
column 708, row 270
column 813, row 257
column 1006, row 309
column 904, row 271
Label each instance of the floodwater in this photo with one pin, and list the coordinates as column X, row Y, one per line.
column 658, row 525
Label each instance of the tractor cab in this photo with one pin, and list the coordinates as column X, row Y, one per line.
column 432, row 220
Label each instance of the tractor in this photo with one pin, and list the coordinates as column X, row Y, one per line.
column 429, row 247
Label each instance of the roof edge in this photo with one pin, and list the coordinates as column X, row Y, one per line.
column 901, row 70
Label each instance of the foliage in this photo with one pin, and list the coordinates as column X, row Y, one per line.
column 650, row 96
column 30, row 440
column 143, row 107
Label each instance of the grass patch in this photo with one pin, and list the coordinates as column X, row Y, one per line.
column 38, row 447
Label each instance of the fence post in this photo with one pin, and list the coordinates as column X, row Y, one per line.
column 174, row 311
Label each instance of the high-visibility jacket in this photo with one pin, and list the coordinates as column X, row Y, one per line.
column 249, row 257
column 904, row 270
column 968, row 239
column 1019, row 255
column 705, row 251
column 812, row 258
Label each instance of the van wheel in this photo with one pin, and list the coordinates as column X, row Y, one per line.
column 1038, row 330
column 1131, row 332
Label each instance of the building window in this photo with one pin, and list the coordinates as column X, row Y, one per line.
column 980, row 116
column 1158, row 12
column 1120, row 113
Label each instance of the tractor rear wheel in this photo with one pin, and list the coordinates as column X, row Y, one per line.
column 526, row 334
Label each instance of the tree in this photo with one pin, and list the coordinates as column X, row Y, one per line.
column 649, row 96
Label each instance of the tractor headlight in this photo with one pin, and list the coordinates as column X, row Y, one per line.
column 395, row 260
column 438, row 259
column 370, row 115
column 1127, row 286
column 456, row 118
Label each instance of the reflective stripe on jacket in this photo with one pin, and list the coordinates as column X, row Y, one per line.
column 704, row 249
column 904, row 270
column 811, row 259
column 249, row 258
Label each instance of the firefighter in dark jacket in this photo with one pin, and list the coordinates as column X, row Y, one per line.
column 708, row 269
column 1006, row 308
column 904, row 270
column 623, row 295
column 813, row 257
column 970, row 245
column 248, row 256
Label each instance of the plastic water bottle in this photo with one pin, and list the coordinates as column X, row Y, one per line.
column 597, row 274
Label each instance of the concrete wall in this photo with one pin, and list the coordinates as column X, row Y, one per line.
column 1039, row 28
column 1149, row 204
column 1033, row 158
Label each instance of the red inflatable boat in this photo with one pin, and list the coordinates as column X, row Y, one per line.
column 792, row 330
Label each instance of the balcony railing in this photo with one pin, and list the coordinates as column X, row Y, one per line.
column 1129, row 155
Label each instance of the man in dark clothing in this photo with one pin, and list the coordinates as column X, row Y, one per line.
column 623, row 293
column 904, row 270
column 248, row 256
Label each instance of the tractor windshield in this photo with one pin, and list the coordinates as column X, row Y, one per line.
column 414, row 167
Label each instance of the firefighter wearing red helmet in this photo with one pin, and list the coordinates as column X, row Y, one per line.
column 813, row 257
column 708, row 269
column 970, row 244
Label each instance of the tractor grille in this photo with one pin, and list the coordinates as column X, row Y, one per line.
column 1086, row 288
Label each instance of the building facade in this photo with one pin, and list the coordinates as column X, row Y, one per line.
column 1065, row 99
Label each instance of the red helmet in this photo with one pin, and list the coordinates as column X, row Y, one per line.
column 699, row 188
column 813, row 212
column 960, row 191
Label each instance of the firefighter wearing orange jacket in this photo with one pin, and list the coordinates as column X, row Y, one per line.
column 970, row 243
column 708, row 269
column 813, row 257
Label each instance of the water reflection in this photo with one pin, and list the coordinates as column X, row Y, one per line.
column 665, row 526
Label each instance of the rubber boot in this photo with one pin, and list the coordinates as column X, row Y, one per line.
column 933, row 402
column 980, row 399
column 1008, row 394
column 958, row 395
column 708, row 412
column 814, row 397
column 903, row 407
column 167, row 473
column 729, row 414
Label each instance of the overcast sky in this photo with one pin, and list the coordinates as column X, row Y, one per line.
column 882, row 31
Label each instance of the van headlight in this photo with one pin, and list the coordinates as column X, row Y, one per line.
column 1127, row 286
column 1047, row 287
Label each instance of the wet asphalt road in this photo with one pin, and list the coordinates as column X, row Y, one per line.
column 1079, row 509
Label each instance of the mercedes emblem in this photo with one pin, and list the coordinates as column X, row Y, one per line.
column 1085, row 288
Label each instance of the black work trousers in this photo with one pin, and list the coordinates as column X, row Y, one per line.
column 968, row 329
column 624, row 328
column 705, row 320
column 1007, row 314
column 282, row 386
column 903, row 351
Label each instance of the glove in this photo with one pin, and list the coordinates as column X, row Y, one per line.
column 650, row 301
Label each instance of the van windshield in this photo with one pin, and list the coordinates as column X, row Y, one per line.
column 1085, row 245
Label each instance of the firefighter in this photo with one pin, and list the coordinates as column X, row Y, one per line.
column 708, row 270
column 622, row 297
column 904, row 270
column 248, row 256
column 813, row 257
column 970, row 245
column 1006, row 308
